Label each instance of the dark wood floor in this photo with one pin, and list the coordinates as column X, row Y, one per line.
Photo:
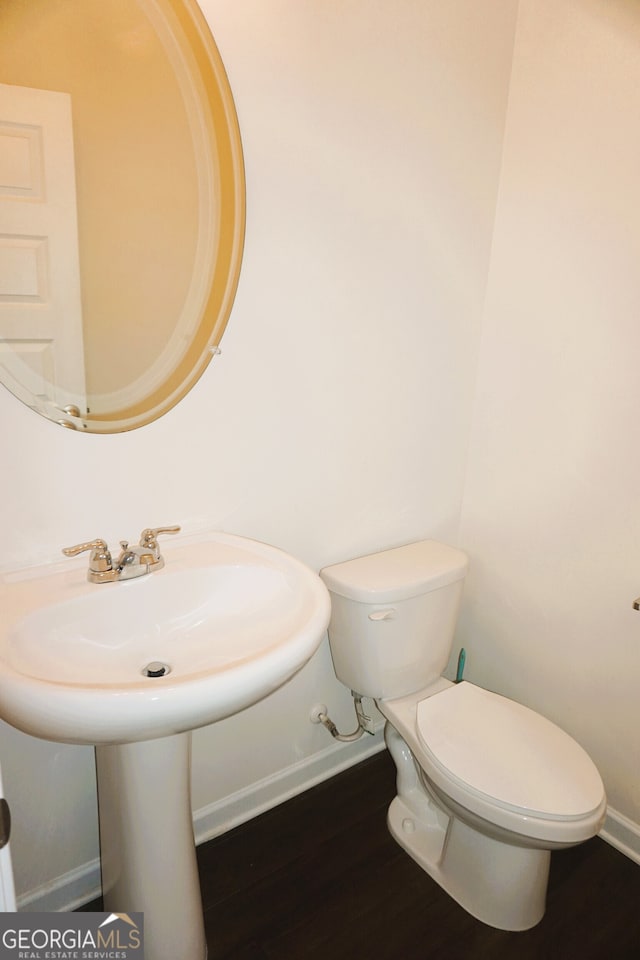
column 320, row 878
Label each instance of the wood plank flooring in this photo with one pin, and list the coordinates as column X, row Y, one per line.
column 320, row 877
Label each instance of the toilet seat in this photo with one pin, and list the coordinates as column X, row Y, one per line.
column 484, row 749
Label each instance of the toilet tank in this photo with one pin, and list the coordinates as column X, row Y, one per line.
column 393, row 616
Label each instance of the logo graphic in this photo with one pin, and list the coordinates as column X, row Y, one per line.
column 71, row 936
column 119, row 916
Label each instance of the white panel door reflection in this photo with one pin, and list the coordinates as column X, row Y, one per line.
column 41, row 343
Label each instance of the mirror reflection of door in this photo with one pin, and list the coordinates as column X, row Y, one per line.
column 159, row 201
column 41, row 345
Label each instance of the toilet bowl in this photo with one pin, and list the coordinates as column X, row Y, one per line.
column 486, row 787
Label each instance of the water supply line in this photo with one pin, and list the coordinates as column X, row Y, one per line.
column 319, row 715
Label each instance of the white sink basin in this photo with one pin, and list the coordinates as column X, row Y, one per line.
column 231, row 618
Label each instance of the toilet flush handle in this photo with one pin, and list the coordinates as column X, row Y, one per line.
column 382, row 614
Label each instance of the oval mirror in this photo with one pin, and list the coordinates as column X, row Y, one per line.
column 121, row 206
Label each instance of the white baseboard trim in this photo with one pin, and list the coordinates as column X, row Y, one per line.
column 67, row 892
column 230, row 812
column 83, row 884
column 622, row 833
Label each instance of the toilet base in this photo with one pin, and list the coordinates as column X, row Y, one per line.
column 502, row 885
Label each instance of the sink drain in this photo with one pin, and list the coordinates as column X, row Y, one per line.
column 156, row 669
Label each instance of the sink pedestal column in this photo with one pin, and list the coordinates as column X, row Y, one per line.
column 147, row 845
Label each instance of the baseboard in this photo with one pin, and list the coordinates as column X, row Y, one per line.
column 67, row 892
column 622, row 833
column 224, row 815
column 83, row 884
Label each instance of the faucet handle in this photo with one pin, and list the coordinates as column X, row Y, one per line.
column 100, row 559
column 149, row 541
column 149, row 536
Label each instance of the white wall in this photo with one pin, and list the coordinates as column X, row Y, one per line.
column 550, row 512
column 336, row 420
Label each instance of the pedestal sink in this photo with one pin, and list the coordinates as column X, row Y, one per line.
column 227, row 621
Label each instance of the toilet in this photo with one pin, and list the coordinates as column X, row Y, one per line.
column 486, row 787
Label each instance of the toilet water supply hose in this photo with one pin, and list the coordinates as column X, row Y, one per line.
column 321, row 717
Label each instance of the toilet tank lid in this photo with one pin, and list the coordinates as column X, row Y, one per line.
column 397, row 574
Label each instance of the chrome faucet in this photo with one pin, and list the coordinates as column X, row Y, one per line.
column 132, row 561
